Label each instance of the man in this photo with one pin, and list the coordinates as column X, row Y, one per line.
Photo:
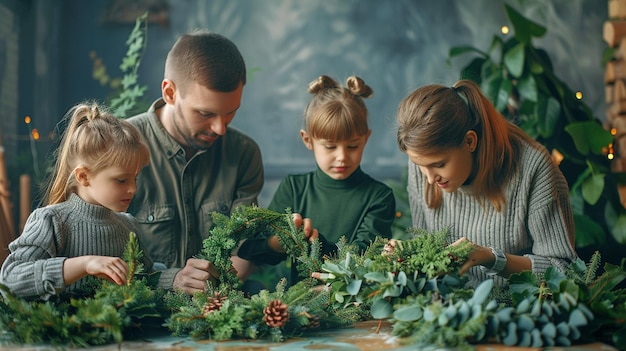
column 199, row 164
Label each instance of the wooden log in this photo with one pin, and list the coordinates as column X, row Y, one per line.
column 609, row 93
column 620, row 50
column 613, row 31
column 616, row 108
column 617, row 9
column 614, row 70
column 620, row 90
column 618, row 165
column 25, row 200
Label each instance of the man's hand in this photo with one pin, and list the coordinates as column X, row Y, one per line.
column 194, row 276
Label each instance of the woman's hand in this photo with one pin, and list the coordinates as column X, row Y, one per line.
column 479, row 255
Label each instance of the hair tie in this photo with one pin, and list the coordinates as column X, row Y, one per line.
column 461, row 95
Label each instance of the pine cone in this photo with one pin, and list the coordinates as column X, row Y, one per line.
column 214, row 303
column 276, row 314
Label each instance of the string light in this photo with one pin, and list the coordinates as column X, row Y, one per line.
column 579, row 95
column 505, row 30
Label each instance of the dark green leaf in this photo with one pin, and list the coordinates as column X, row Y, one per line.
column 527, row 88
column 589, row 136
column 588, row 232
column 524, row 28
column 514, row 60
column 619, row 229
column 548, row 113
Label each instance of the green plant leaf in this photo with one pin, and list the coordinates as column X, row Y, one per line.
column 381, row 308
column 461, row 50
column 524, row 28
column 548, row 113
column 588, row 232
column 589, row 136
column 514, row 60
column 408, row 313
column 593, row 187
column 619, row 229
column 527, row 87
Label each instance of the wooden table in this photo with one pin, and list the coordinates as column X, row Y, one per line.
column 362, row 337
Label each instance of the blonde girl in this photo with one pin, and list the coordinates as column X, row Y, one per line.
column 82, row 230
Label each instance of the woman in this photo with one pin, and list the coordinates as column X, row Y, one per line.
column 484, row 179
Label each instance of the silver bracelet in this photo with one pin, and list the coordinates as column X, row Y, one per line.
column 498, row 265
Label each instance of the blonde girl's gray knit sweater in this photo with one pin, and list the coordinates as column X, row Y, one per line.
column 537, row 220
column 56, row 232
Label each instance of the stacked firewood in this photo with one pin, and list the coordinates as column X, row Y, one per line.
column 614, row 34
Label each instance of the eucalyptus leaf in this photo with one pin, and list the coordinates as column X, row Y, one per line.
column 377, row 277
column 381, row 308
column 481, row 292
column 408, row 313
column 353, row 287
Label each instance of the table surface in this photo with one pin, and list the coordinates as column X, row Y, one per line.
column 362, row 337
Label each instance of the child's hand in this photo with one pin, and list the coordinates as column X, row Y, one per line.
column 307, row 226
column 110, row 268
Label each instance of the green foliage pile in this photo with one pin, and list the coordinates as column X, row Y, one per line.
column 429, row 306
column 104, row 316
column 416, row 287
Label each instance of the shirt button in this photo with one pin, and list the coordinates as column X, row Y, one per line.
column 150, row 218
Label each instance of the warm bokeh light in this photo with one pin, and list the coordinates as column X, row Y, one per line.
column 557, row 156
column 35, row 133
column 613, row 131
column 505, row 30
column 27, row 119
column 579, row 95
column 610, row 156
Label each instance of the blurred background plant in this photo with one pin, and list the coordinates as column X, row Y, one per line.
column 127, row 95
column 519, row 79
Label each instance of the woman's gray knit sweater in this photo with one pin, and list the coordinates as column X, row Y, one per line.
column 537, row 220
column 56, row 232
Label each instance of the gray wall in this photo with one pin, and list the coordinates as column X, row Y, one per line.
column 394, row 45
